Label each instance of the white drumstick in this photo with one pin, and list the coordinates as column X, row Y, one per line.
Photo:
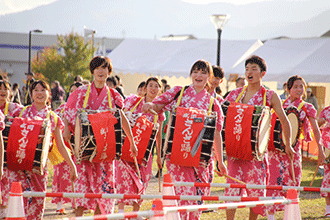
column 74, row 199
column 137, row 167
column 293, row 174
column 153, row 111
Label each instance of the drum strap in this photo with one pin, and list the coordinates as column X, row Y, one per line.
column 20, row 114
column 137, row 103
column 6, row 109
column 180, row 97
column 264, row 94
column 87, row 97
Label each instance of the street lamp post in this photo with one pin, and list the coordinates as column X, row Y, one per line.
column 219, row 22
column 30, row 32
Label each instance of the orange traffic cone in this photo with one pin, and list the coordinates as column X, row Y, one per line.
column 157, row 207
column 292, row 211
column 15, row 210
column 168, row 189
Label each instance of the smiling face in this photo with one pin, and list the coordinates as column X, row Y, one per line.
column 152, row 89
column 253, row 73
column 40, row 95
column 4, row 93
column 297, row 90
column 199, row 78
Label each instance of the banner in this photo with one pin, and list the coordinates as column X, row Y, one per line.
column 22, row 142
column 103, row 128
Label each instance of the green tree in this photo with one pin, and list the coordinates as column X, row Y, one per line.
column 73, row 59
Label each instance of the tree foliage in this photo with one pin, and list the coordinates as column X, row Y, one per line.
column 65, row 60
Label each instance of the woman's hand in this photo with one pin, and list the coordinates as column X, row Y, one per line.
column 147, row 106
column 134, row 150
column 290, row 152
column 321, row 158
column 73, row 173
column 221, row 168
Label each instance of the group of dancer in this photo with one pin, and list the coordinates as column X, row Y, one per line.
column 127, row 177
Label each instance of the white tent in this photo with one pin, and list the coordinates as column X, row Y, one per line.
column 308, row 58
column 175, row 58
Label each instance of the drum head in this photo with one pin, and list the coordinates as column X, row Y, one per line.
column 77, row 135
column 264, row 132
column 293, row 117
column 45, row 145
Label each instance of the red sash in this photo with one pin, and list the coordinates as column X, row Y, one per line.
column 22, row 143
column 271, row 145
column 188, row 125
column 238, row 131
column 104, row 132
column 141, row 132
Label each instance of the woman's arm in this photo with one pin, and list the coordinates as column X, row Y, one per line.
column 64, row 152
column 317, row 136
column 127, row 129
column 219, row 153
column 277, row 106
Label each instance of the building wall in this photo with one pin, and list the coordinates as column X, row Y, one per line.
column 14, row 51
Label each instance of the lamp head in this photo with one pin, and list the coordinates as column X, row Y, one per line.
column 219, row 21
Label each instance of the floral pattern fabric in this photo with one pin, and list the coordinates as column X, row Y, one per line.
column 280, row 164
column 199, row 100
column 249, row 171
column 34, row 207
column 93, row 177
column 127, row 179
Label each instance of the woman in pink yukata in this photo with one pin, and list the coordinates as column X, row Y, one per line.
column 280, row 164
column 96, row 177
column 34, row 207
column 7, row 109
column 127, row 179
column 61, row 181
column 195, row 96
column 254, row 171
column 324, row 119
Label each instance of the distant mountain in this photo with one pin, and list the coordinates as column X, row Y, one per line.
column 150, row 18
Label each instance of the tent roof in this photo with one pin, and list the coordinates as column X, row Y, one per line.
column 175, row 58
column 308, row 58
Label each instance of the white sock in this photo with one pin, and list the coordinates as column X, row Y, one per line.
column 327, row 209
column 121, row 211
column 59, row 205
column 271, row 217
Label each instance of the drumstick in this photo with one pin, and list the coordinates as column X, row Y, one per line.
column 137, row 167
column 153, row 111
column 317, row 169
column 293, row 174
column 159, row 181
column 74, row 199
column 239, row 181
column 226, row 175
